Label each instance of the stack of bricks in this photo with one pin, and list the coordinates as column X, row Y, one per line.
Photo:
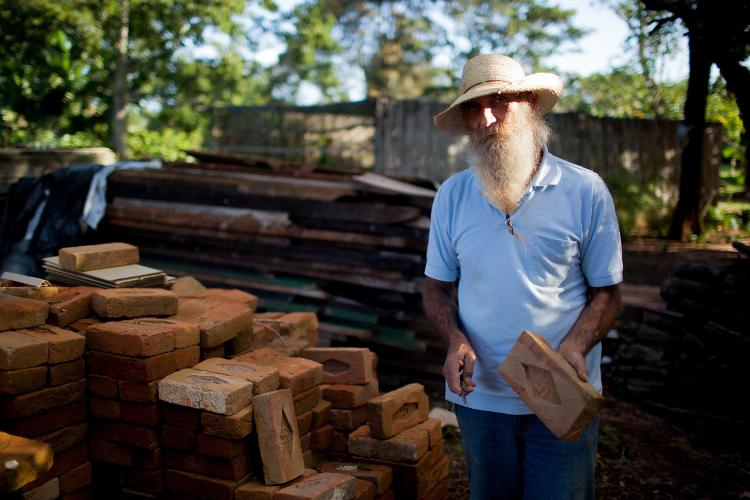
column 42, row 391
column 129, row 351
column 400, row 435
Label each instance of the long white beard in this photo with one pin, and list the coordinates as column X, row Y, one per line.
column 506, row 156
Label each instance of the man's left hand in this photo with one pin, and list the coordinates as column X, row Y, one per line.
column 575, row 358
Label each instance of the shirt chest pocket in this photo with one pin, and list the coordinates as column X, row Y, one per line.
column 550, row 261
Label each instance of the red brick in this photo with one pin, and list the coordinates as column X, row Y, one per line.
column 16, row 312
column 320, row 439
column 133, row 302
column 126, row 434
column 131, row 338
column 186, row 286
column 20, row 350
column 48, row 421
column 112, row 453
column 104, row 408
column 146, row 481
column 380, row 476
column 295, row 374
column 133, row 369
column 64, row 373
column 138, row 392
column 47, row 491
column 62, row 345
column 242, row 342
column 147, row 458
column 202, row 390
column 181, row 416
column 256, row 490
column 218, row 322
column 100, row 385
column 342, row 365
column 90, row 257
column 233, row 470
column 185, row 334
column 69, row 306
column 320, row 487
column 321, row 414
column 339, row 442
column 365, row 490
column 304, row 443
column 75, row 478
column 348, row 420
column 218, row 351
column 306, row 401
column 177, row 438
column 21, row 381
column 218, row 447
column 85, row 493
column 278, row 436
column 65, row 438
column 199, row 486
column 187, row 357
column 264, row 378
column 223, row 295
column 304, row 422
column 82, row 325
column 63, row 462
column 147, row 414
column 47, row 399
column 407, row 446
column 397, row 410
column 343, row 396
column 236, row 426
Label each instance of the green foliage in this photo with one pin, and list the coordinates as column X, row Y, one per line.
column 639, row 211
column 722, row 108
column 167, row 144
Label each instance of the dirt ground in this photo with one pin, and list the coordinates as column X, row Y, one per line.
column 643, row 455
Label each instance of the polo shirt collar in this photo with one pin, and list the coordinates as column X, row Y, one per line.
column 549, row 171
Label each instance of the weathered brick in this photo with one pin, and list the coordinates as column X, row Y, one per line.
column 132, row 369
column 201, row 390
column 306, row 401
column 47, row 491
column 295, row 374
column 63, row 462
column 33, row 457
column 397, row 410
column 321, row 414
column 125, row 434
column 104, row 408
column 264, row 378
column 37, row 402
column 320, row 439
column 138, row 392
column 82, row 325
column 91, row 257
column 242, row 342
column 304, row 422
column 181, row 416
column 109, row 452
column 219, row 447
column 407, row 446
column 380, row 476
column 199, row 486
column 342, row 365
column 85, row 493
column 69, row 306
column 365, row 490
column 550, row 387
column 76, row 478
column 224, row 295
column 235, row 426
column 339, row 442
column 48, row 421
column 33, row 292
column 131, row 338
column 304, row 326
column 344, row 396
column 218, row 351
column 324, row 486
column 21, row 381
column 186, row 285
column 145, row 481
column 349, row 419
column 65, row 438
column 63, row 345
column 100, row 385
column 133, row 302
column 187, row 357
column 278, row 436
column 20, row 350
column 304, row 442
column 185, row 334
column 177, row 438
column 233, row 470
column 256, row 490
column 218, row 322
column 146, row 414
column 64, row 373
column 16, row 312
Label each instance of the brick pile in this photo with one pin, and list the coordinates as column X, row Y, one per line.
column 42, row 394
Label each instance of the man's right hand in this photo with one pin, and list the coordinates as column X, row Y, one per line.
column 460, row 359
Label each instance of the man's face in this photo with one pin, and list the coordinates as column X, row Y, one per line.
column 488, row 110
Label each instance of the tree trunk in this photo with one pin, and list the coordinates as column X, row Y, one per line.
column 687, row 218
column 120, row 94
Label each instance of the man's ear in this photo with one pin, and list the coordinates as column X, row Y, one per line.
column 533, row 100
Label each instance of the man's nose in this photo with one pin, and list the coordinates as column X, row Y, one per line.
column 488, row 117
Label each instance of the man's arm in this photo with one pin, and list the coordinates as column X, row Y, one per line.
column 591, row 327
column 437, row 299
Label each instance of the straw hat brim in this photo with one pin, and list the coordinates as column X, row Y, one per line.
column 546, row 86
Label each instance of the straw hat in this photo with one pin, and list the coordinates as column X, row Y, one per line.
column 495, row 74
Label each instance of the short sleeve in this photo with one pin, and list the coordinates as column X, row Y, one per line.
column 601, row 252
column 442, row 260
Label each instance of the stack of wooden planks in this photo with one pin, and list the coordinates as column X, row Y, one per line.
column 346, row 245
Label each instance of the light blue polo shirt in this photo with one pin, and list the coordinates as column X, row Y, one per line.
column 566, row 240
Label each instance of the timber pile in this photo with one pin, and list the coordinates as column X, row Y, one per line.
column 686, row 359
column 349, row 247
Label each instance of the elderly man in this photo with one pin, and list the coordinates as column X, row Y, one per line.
column 533, row 242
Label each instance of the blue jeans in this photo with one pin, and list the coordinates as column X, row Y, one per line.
column 517, row 457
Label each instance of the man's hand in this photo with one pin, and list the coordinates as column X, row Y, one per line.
column 575, row 358
column 459, row 363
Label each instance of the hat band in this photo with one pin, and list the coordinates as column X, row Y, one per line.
column 486, row 81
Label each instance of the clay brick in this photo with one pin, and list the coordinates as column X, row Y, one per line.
column 233, row 470
column 389, row 495
column 82, row 325
column 397, row 410
column 199, row 486
column 181, row 416
column 37, row 402
column 304, row 443
column 348, row 420
column 320, row 439
column 433, row 428
column 33, row 457
column 146, row 414
column 69, row 306
column 75, row 478
column 550, row 387
column 407, row 446
column 304, row 326
column 91, row 257
column 185, row 334
column 20, row 350
column 342, row 365
column 304, row 422
column 365, row 490
column 21, row 381
column 48, row 421
column 85, row 493
column 64, row 373
column 440, row 490
column 63, row 345
column 125, row 434
column 138, row 392
column 240, row 343
column 309, row 459
column 212, row 392
column 47, row 491
column 321, row 414
column 344, row 396
column 187, row 357
column 112, row 453
column 186, row 285
column 218, row 351
column 295, row 374
column 219, row 447
column 264, row 378
column 306, row 401
column 218, row 322
column 145, row 481
column 132, row 369
column 255, row 490
column 339, row 442
column 63, row 462
column 278, row 436
column 235, row 426
column 65, row 438
column 380, row 476
column 104, row 408
column 324, row 486
column 131, row 338
column 133, row 302
column 100, row 385
column 177, row 438
column 33, row 292
column 16, row 312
